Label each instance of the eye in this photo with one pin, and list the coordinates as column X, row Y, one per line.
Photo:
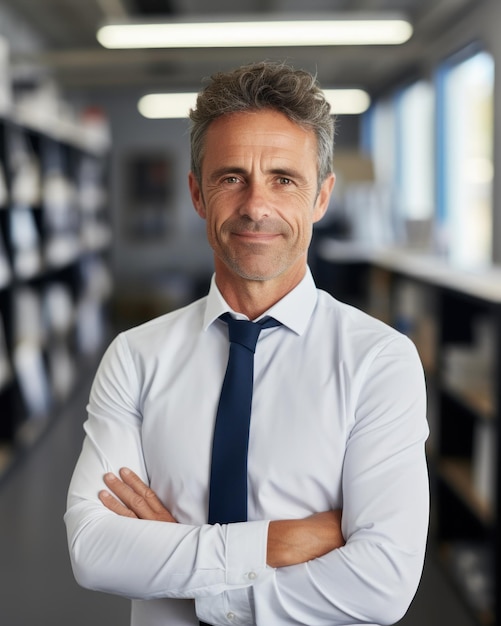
column 231, row 180
column 283, row 180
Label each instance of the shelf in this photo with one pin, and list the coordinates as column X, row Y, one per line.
column 458, row 475
column 478, row 400
column 454, row 318
column 427, row 268
column 29, row 431
column 471, row 567
column 90, row 139
column 55, row 237
column 6, row 458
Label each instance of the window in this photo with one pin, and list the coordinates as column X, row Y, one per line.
column 381, row 141
column 465, row 159
column 398, row 132
column 415, row 140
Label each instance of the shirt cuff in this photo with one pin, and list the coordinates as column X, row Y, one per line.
column 246, row 547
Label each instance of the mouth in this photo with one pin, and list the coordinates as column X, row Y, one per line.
column 256, row 237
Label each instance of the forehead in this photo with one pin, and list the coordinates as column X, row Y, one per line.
column 267, row 132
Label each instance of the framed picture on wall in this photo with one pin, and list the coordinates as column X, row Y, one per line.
column 148, row 196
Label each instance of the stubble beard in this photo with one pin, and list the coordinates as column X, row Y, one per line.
column 256, row 261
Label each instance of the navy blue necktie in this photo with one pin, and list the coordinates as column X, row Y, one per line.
column 228, row 480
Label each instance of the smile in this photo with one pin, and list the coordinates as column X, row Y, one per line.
column 256, row 237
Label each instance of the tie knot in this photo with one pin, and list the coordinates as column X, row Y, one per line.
column 245, row 332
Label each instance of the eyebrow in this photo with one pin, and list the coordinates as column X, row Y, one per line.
column 277, row 171
column 289, row 173
column 222, row 171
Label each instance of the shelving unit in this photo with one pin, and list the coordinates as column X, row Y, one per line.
column 468, row 465
column 454, row 318
column 55, row 283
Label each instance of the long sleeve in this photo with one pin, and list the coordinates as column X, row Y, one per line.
column 372, row 579
column 138, row 558
column 338, row 421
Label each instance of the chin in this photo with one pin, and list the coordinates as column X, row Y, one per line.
column 258, row 269
column 259, row 274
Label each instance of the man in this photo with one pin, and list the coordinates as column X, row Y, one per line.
column 338, row 407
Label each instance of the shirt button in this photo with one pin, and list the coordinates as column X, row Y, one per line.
column 231, row 616
column 252, row 575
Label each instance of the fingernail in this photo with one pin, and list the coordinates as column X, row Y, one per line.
column 125, row 470
column 104, row 494
column 109, row 476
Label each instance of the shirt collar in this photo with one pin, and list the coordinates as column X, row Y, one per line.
column 293, row 310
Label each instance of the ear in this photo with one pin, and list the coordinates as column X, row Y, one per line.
column 323, row 197
column 196, row 195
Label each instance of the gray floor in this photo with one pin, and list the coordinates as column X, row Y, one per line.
column 36, row 583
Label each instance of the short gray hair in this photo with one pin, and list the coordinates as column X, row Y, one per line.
column 265, row 85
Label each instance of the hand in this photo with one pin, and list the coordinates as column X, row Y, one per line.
column 136, row 499
column 291, row 542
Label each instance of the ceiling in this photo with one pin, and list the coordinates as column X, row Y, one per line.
column 71, row 51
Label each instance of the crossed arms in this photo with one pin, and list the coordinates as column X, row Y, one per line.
column 130, row 544
column 290, row 542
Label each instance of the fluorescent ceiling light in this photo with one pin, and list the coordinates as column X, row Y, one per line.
column 313, row 32
column 177, row 105
column 347, row 101
column 166, row 105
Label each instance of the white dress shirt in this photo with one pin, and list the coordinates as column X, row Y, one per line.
column 338, row 421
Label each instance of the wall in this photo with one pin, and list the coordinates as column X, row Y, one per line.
column 183, row 246
column 21, row 37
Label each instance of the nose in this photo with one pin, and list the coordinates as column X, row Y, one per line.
column 256, row 202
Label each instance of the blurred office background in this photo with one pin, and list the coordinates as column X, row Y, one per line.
column 97, row 233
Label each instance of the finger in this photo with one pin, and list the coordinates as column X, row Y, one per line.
column 151, row 499
column 132, row 500
column 115, row 505
column 137, row 496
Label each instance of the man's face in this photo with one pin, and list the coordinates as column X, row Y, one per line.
column 259, row 194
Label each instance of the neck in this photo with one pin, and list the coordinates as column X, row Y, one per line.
column 253, row 297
